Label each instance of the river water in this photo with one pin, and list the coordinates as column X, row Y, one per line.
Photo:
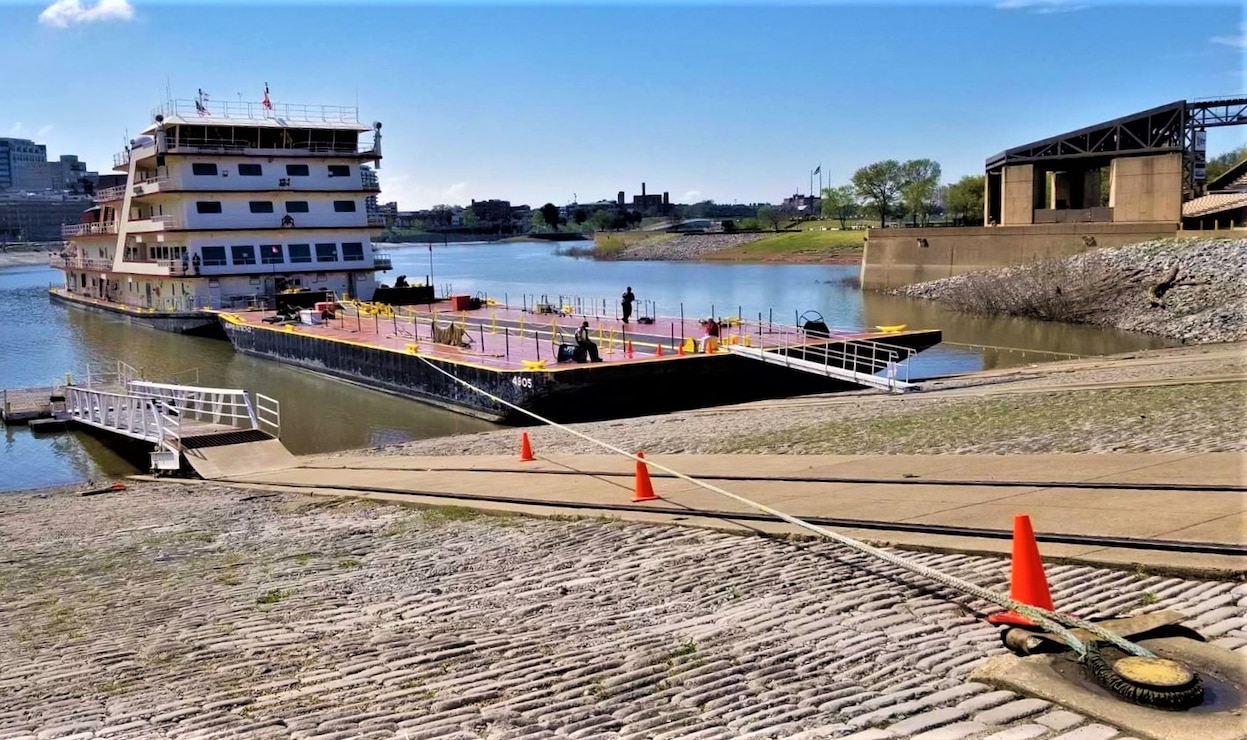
column 40, row 341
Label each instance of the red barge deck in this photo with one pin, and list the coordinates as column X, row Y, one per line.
column 513, row 353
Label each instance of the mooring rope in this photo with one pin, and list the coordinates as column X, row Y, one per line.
column 1054, row 622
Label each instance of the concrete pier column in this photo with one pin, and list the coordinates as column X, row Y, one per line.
column 1019, row 193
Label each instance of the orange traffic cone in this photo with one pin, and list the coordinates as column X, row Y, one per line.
column 658, row 351
column 644, row 489
column 1028, row 584
column 679, row 351
column 526, row 448
column 628, row 352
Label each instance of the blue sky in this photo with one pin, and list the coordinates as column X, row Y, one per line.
column 542, row 102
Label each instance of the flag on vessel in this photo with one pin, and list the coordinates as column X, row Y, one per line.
column 268, row 105
column 818, row 169
column 200, row 108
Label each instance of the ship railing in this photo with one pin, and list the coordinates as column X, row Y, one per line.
column 293, row 146
column 376, row 220
column 121, row 159
column 255, row 111
column 382, row 261
column 100, row 227
column 79, row 263
column 106, row 195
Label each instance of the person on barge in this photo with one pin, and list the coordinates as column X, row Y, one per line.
column 585, row 345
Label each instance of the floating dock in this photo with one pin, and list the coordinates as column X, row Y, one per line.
column 22, row 406
column 521, row 356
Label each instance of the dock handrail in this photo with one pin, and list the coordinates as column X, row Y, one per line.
column 216, row 405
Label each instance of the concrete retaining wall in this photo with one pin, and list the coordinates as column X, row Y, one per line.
column 897, row 257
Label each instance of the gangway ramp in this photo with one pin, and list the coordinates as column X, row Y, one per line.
column 860, row 362
column 214, row 432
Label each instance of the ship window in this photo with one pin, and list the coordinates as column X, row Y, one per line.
column 296, row 206
column 300, row 252
column 270, row 254
column 203, row 168
column 297, row 170
column 213, row 256
column 352, row 251
column 208, row 206
column 250, row 170
column 339, row 170
column 261, row 206
column 243, row 254
column 344, row 206
column 326, row 252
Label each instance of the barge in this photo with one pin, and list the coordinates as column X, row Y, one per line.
column 228, row 204
column 522, row 356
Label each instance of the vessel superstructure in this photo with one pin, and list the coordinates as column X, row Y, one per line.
column 229, row 205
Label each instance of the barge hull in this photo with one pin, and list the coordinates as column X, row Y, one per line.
column 194, row 323
column 570, row 393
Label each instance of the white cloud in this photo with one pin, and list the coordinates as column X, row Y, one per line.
column 16, row 130
column 410, row 196
column 692, row 196
column 65, row 13
column 1040, row 7
column 43, row 132
column 1238, row 42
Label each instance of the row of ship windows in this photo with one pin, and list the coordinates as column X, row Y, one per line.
column 266, row 206
column 255, row 170
column 274, row 254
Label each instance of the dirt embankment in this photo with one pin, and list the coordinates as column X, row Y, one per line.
column 685, row 246
column 1192, row 290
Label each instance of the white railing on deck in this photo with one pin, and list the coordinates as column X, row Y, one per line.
column 283, row 112
column 100, row 227
column 105, row 195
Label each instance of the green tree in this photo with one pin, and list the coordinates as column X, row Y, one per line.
column 469, row 219
column 965, row 198
column 601, row 220
column 550, row 214
column 879, row 185
column 769, row 215
column 920, row 180
column 840, row 203
column 580, row 215
column 538, row 221
column 1220, row 164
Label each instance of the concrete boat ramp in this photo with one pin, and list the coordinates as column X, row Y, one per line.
column 1174, row 512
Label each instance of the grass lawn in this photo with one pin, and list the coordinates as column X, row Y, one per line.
column 807, row 243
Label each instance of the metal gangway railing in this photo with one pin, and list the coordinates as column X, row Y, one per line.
column 164, row 414
column 863, row 362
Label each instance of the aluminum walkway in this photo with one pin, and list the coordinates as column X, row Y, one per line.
column 217, row 432
column 860, row 362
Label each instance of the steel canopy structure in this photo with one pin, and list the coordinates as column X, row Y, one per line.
column 1174, row 127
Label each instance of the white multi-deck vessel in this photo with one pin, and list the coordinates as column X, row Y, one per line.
column 226, row 206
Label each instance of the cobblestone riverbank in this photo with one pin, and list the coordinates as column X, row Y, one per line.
column 173, row 611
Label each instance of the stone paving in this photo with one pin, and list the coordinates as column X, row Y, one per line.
column 205, row 612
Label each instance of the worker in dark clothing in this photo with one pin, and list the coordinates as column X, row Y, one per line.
column 626, row 302
column 587, row 345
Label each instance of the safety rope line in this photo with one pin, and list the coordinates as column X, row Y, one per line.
column 1052, row 621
